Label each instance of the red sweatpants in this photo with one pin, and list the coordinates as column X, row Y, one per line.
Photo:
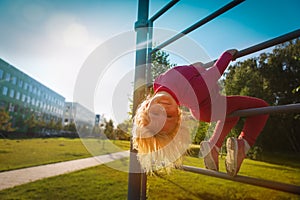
column 252, row 127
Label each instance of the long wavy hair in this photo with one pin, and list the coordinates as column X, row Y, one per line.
column 159, row 150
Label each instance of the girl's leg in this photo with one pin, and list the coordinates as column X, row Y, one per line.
column 210, row 149
column 254, row 124
column 252, row 127
column 237, row 147
column 221, row 131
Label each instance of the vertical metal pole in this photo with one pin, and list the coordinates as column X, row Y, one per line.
column 149, row 56
column 136, row 175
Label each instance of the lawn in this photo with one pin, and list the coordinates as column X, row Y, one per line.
column 15, row 154
column 103, row 182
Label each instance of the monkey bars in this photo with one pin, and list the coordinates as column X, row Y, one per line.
column 267, row 110
column 264, row 45
column 199, row 23
column 247, row 180
column 137, row 178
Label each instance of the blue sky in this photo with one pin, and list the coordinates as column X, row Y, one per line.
column 50, row 40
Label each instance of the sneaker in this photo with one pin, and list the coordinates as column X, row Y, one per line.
column 210, row 155
column 236, row 152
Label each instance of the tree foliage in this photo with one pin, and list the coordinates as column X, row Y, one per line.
column 5, row 123
column 274, row 77
column 31, row 123
column 199, row 132
column 160, row 63
column 109, row 129
column 70, row 127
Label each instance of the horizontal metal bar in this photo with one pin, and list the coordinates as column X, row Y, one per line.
column 269, row 43
column 199, row 23
column 248, row 180
column 267, row 110
column 163, row 10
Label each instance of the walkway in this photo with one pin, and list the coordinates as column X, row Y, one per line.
column 21, row 176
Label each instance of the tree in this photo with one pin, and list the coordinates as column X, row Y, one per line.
column 70, row 127
column 31, row 123
column 123, row 130
column 244, row 78
column 58, row 125
column 120, row 134
column 109, row 129
column 5, row 124
column 199, row 132
column 274, row 77
column 282, row 68
column 51, row 124
column 283, row 65
column 160, row 63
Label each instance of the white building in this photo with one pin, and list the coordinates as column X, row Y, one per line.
column 81, row 116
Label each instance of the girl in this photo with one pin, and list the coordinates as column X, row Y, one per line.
column 160, row 134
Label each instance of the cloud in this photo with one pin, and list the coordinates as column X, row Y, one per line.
column 75, row 35
column 67, row 30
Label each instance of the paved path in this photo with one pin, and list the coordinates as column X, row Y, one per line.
column 21, row 176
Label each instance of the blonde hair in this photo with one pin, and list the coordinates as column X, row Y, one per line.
column 160, row 150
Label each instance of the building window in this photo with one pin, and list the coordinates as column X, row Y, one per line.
column 25, row 86
column 28, row 99
column 4, row 91
column 11, row 107
column 18, row 95
column 30, row 88
column 23, row 97
column 7, row 76
column 1, row 73
column 20, row 83
column 12, row 93
column 14, row 80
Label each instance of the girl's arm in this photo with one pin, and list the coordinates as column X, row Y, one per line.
column 199, row 66
column 233, row 52
column 213, row 74
column 224, row 59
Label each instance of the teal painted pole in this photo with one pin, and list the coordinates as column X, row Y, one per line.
column 136, row 177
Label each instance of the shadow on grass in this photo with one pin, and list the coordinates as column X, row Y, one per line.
column 283, row 168
column 187, row 190
column 286, row 159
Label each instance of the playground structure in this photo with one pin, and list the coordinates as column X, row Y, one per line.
column 137, row 181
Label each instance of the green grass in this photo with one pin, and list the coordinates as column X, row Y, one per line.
column 15, row 154
column 95, row 183
column 102, row 182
